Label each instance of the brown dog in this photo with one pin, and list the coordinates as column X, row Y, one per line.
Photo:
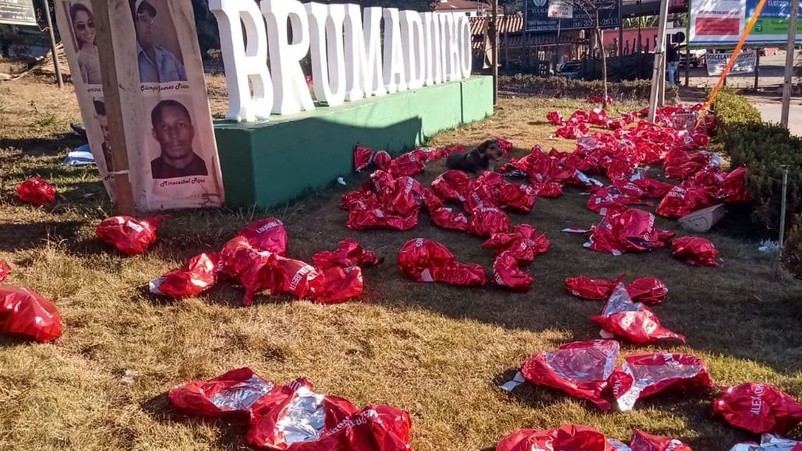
column 481, row 159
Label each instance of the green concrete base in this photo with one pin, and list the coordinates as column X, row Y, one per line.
column 269, row 163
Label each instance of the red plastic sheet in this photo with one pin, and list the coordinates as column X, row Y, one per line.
column 363, row 157
column 681, row 201
column 369, row 214
column 447, row 218
column 569, row 437
column 629, row 231
column 649, row 290
column 5, row 270
column 522, row 242
column 549, row 190
column 642, row 441
column 348, row 253
column 632, row 321
column 231, row 393
column 555, row 118
column 506, row 146
column 593, row 289
column 759, row 408
column 486, row 221
column 653, row 188
column 612, row 199
column 507, row 273
column 129, row 235
column 580, row 369
column 572, row 130
column 769, row 442
column 452, row 185
column 36, row 191
column 645, row 375
column 295, row 418
column 695, row 251
column 408, row 164
column 733, row 187
column 266, row 234
column 425, row 260
column 197, row 275
column 25, row 313
column 382, row 160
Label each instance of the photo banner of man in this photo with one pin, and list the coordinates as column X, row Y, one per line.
column 169, row 136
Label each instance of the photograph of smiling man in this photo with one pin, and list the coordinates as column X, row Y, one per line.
column 158, row 51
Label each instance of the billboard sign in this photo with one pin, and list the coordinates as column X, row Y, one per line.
column 744, row 64
column 537, row 19
column 17, row 12
column 559, row 9
column 721, row 22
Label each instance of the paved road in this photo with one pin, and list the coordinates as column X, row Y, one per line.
column 771, row 113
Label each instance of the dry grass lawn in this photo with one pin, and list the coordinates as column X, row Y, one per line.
column 438, row 351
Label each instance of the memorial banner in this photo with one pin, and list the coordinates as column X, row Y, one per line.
column 17, row 12
column 744, row 64
column 171, row 149
column 721, row 22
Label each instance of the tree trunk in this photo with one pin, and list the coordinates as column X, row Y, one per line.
column 600, row 40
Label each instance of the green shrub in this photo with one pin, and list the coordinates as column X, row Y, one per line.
column 732, row 109
column 580, row 89
column 763, row 149
column 792, row 254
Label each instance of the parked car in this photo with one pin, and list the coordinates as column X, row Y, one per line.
column 697, row 56
column 570, row 69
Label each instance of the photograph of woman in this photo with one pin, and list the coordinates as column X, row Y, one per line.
column 83, row 25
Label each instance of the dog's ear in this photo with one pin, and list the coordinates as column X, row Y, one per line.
column 484, row 146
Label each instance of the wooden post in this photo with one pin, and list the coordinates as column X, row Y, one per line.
column 114, row 112
column 56, row 66
column 687, row 63
column 789, row 63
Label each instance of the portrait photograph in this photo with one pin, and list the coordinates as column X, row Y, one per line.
column 174, row 150
column 159, row 56
column 82, row 37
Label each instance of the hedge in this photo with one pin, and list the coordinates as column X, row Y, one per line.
column 567, row 87
column 763, row 148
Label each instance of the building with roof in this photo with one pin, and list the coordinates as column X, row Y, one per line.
column 467, row 7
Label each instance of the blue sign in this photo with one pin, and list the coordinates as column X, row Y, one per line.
column 537, row 20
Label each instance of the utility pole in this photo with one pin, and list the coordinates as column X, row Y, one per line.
column 494, row 38
column 789, row 63
column 659, row 60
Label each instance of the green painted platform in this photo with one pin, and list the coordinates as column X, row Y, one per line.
column 276, row 161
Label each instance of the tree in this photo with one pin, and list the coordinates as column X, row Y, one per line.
column 592, row 9
column 510, row 6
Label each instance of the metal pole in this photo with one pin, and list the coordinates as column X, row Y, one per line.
column 687, row 62
column 494, row 36
column 659, row 58
column 782, row 210
column 557, row 48
column 620, row 41
column 53, row 45
column 789, row 62
column 757, row 67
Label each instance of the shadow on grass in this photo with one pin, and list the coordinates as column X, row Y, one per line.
column 233, row 427
column 49, row 146
column 15, row 237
